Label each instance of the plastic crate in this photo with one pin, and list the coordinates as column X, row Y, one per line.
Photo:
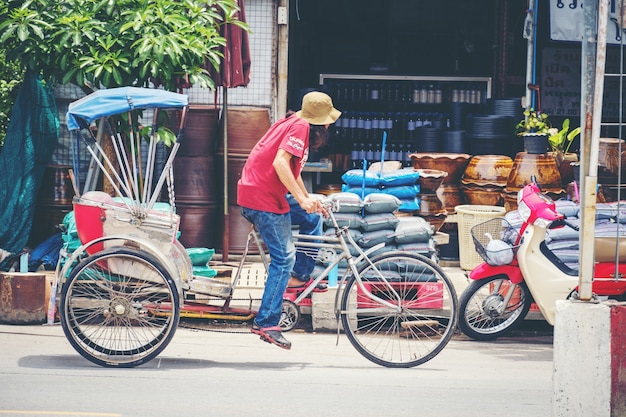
column 467, row 217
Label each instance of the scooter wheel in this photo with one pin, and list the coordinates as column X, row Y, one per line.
column 483, row 313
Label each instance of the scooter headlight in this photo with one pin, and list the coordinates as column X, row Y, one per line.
column 543, row 223
column 523, row 211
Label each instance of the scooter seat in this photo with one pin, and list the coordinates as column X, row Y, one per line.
column 606, row 248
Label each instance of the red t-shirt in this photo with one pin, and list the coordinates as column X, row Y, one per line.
column 259, row 187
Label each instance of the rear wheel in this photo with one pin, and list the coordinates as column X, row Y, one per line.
column 483, row 315
column 119, row 307
column 420, row 319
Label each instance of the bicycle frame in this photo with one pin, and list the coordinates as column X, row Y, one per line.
column 331, row 243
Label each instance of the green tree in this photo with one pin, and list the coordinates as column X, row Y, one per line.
column 11, row 77
column 112, row 43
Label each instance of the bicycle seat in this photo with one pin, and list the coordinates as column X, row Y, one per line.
column 605, row 249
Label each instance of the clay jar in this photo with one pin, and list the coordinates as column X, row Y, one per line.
column 609, row 159
column 485, row 178
column 431, row 207
column 452, row 163
column 430, row 180
column 450, row 196
column 490, row 170
column 542, row 166
column 564, row 162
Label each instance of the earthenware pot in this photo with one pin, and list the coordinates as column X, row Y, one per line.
column 542, row 166
column 430, row 179
column 488, row 170
column 452, row 163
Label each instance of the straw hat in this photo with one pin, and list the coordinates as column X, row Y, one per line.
column 317, row 109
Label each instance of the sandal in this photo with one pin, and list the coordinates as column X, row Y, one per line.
column 318, row 288
column 273, row 335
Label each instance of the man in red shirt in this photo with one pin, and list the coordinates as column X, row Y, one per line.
column 273, row 170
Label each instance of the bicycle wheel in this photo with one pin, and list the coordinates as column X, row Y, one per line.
column 119, row 307
column 482, row 313
column 421, row 320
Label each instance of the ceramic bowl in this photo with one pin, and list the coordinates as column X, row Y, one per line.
column 430, row 179
column 452, row 163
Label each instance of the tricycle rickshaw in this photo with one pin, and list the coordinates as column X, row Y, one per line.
column 121, row 293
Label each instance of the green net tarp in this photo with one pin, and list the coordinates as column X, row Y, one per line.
column 32, row 136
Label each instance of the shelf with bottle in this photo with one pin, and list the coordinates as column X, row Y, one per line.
column 401, row 106
column 364, row 130
column 406, row 92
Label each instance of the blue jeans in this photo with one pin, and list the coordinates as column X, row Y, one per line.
column 275, row 230
column 309, row 224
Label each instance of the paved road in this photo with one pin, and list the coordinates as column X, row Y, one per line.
column 215, row 374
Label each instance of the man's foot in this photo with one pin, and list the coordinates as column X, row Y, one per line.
column 273, row 335
column 295, row 285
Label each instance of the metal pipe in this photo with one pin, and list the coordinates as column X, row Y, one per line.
column 592, row 88
column 529, row 34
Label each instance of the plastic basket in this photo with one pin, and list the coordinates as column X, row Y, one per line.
column 469, row 216
column 500, row 229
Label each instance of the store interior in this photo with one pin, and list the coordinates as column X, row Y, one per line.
column 408, row 37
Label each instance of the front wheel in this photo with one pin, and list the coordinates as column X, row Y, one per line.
column 483, row 315
column 405, row 312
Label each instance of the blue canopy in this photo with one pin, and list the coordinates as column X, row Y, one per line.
column 112, row 101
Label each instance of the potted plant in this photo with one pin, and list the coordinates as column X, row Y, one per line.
column 535, row 130
column 560, row 142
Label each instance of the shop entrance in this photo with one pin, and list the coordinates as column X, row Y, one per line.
column 407, row 37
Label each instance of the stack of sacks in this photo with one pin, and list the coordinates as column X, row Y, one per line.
column 400, row 183
column 372, row 221
column 564, row 241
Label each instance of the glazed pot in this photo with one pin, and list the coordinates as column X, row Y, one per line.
column 488, row 170
column 452, row 163
column 542, row 166
column 609, row 160
column 483, row 195
column 564, row 162
column 510, row 200
column 432, row 210
column 450, row 196
column 430, row 179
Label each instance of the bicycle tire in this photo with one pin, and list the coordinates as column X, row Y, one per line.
column 119, row 307
column 426, row 316
column 479, row 317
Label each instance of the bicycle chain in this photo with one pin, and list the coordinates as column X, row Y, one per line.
column 203, row 326
column 214, row 330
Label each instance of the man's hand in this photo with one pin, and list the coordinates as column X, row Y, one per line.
column 312, row 205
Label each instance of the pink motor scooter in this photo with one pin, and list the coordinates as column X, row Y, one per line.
column 520, row 269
